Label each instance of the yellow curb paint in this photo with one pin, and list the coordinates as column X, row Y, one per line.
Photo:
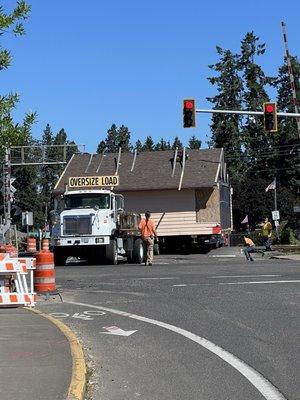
column 78, row 380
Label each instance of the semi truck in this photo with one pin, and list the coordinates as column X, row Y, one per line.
column 92, row 225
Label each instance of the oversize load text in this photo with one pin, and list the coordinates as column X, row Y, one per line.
column 87, row 181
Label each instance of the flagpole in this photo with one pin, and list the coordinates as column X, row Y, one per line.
column 275, row 205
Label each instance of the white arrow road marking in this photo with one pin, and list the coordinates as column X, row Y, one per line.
column 114, row 330
column 82, row 316
column 265, row 387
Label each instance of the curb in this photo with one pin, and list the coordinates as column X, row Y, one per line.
column 78, row 380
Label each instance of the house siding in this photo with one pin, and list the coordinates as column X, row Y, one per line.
column 174, row 209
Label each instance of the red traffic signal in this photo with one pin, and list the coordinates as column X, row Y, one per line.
column 270, row 117
column 189, row 113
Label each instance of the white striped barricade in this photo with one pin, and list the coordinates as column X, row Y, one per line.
column 29, row 265
column 13, row 299
column 13, row 284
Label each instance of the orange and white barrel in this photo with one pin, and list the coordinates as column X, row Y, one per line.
column 11, row 250
column 45, row 244
column 31, row 245
column 44, row 274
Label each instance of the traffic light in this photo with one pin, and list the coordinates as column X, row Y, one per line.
column 270, row 117
column 189, row 113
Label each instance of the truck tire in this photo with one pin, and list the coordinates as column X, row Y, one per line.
column 59, row 258
column 138, row 251
column 112, row 253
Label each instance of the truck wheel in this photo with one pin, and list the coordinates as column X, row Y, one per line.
column 59, row 258
column 112, row 253
column 138, row 251
column 129, row 255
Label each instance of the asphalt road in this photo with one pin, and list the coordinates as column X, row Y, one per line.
column 191, row 327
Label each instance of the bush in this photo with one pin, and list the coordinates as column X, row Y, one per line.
column 287, row 236
column 256, row 237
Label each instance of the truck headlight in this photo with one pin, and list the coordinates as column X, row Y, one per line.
column 99, row 240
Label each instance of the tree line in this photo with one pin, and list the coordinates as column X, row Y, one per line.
column 253, row 156
column 121, row 137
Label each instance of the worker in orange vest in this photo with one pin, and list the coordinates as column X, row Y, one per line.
column 148, row 233
column 250, row 248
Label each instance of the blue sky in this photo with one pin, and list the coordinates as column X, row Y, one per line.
column 84, row 65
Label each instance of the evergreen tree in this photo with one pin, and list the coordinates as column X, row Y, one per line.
column 226, row 127
column 116, row 137
column 112, row 139
column 255, row 80
column 47, row 176
column 194, row 143
column 148, row 145
column 101, row 147
column 177, row 143
column 162, row 145
column 286, row 142
column 124, row 138
column 138, row 146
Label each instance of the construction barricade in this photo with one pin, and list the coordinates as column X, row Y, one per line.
column 14, row 288
column 31, row 245
column 44, row 275
column 45, row 244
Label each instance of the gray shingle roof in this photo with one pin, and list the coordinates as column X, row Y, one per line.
column 152, row 170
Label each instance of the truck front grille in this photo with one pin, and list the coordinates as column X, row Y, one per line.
column 77, row 225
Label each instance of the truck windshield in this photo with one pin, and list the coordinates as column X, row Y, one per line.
column 87, row 201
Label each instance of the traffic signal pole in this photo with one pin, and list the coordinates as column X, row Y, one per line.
column 244, row 112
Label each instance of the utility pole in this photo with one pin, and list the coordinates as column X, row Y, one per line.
column 7, row 188
column 6, row 193
column 291, row 74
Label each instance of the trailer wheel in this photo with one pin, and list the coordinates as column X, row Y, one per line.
column 112, row 253
column 138, row 251
column 59, row 258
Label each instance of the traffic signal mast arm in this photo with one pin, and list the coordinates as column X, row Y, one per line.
column 279, row 114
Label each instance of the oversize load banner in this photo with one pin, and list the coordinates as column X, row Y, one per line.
column 88, row 181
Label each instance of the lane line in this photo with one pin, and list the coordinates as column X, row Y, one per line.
column 224, row 256
column 145, row 279
column 265, row 387
column 256, row 282
column 238, row 276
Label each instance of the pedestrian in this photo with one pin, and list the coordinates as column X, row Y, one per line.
column 148, row 233
column 250, row 248
column 266, row 234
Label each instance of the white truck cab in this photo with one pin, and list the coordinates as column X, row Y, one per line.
column 94, row 226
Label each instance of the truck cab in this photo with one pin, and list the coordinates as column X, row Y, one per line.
column 88, row 227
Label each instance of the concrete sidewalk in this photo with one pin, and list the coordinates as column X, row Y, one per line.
column 35, row 357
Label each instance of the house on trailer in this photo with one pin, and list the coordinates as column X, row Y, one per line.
column 190, row 199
